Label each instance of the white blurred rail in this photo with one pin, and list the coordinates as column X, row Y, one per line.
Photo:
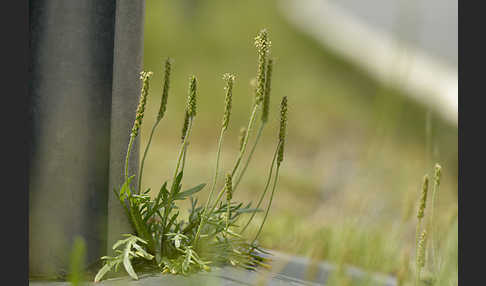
column 397, row 63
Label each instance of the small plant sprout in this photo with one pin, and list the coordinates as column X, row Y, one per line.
column 163, row 240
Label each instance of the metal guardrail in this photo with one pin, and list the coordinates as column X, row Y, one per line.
column 386, row 58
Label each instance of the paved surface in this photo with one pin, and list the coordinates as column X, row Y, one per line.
column 286, row 270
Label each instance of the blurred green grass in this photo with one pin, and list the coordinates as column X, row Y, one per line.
column 356, row 150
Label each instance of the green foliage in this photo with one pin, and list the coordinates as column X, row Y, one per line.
column 130, row 251
column 78, row 256
column 209, row 235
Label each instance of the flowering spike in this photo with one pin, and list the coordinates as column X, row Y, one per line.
column 165, row 91
column 185, row 126
column 283, row 129
column 423, row 198
column 262, row 44
column 266, row 98
column 145, row 78
column 230, row 79
column 191, row 98
column 229, row 187
column 421, row 249
column 437, row 174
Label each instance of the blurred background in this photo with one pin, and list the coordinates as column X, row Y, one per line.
column 372, row 92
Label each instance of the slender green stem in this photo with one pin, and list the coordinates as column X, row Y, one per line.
column 220, row 142
column 218, row 155
column 431, row 222
column 242, row 151
column 184, row 156
column 181, row 152
column 132, row 210
column 130, row 143
column 417, row 266
column 145, row 155
column 228, row 213
column 245, row 141
column 170, row 198
column 264, row 191
column 268, row 207
column 242, row 173
column 238, row 161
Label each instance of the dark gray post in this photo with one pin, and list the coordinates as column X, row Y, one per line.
column 84, row 88
column 126, row 68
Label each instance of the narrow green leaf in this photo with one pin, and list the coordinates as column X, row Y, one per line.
column 107, row 267
column 120, row 242
column 249, row 210
column 187, row 193
column 127, row 263
column 176, row 186
column 125, row 189
column 156, row 205
column 136, row 238
column 142, row 253
column 172, row 219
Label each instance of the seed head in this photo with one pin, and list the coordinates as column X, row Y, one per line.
column 242, row 136
column 229, row 187
column 437, row 174
column 266, row 98
column 423, row 198
column 421, row 249
column 230, row 79
column 165, row 91
column 191, row 98
column 145, row 78
column 262, row 44
column 283, row 129
column 185, row 126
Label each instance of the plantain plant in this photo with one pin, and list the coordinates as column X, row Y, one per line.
column 211, row 235
column 426, row 231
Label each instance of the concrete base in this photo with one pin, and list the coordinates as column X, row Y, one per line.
column 286, row 270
